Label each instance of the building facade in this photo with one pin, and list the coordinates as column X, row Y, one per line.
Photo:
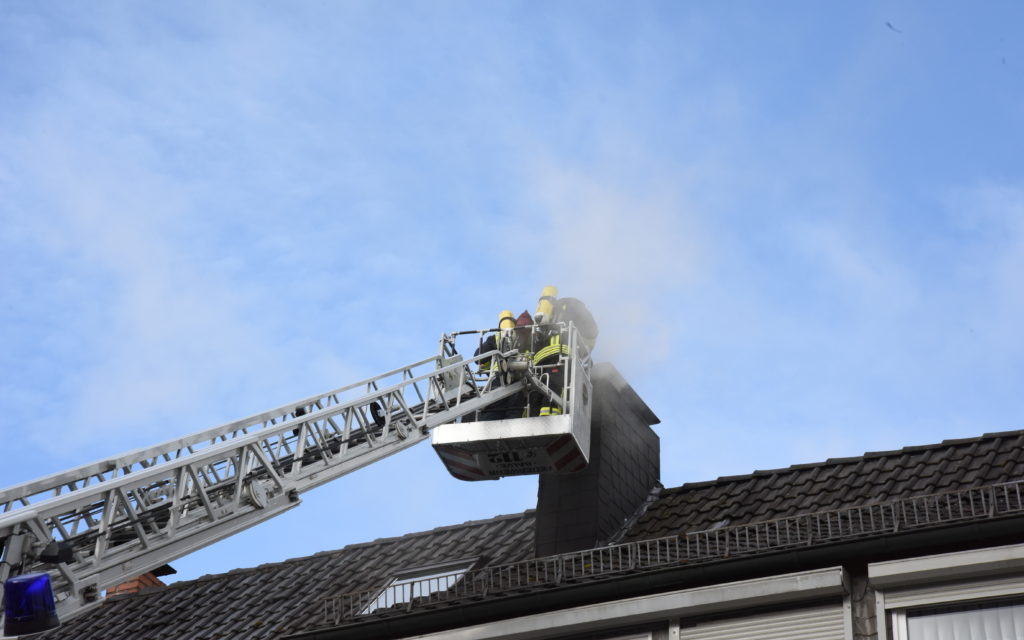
column 922, row 543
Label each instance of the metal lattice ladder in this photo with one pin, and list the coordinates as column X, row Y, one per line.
column 130, row 514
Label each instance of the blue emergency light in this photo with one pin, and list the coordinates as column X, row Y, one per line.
column 29, row 605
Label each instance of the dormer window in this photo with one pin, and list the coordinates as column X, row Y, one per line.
column 408, row 585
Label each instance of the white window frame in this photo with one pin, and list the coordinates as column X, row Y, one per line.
column 979, row 574
column 410, row 583
column 900, row 625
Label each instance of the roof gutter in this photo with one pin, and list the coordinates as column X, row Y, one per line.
column 899, row 544
column 773, row 591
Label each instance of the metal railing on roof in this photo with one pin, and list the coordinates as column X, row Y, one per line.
column 807, row 530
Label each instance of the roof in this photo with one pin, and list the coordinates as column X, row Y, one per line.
column 272, row 599
column 283, row 598
column 836, row 483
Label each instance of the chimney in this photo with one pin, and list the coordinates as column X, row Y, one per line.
column 584, row 510
column 141, row 584
column 146, row 581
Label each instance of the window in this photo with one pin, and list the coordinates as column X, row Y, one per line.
column 976, row 594
column 417, row 583
column 991, row 620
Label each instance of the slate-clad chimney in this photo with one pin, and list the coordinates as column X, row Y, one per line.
column 583, row 510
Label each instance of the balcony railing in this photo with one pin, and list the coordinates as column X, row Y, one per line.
column 807, row 530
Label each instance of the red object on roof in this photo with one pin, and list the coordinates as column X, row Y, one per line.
column 135, row 585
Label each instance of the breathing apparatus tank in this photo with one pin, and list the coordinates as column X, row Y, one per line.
column 506, row 320
column 546, row 304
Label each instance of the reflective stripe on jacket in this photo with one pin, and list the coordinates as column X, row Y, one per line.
column 554, row 348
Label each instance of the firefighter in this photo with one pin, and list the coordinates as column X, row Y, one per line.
column 511, row 407
column 552, row 341
column 501, row 336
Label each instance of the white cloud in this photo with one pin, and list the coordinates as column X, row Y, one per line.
column 139, row 181
column 164, row 332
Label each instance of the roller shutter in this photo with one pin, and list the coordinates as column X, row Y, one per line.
column 818, row 623
column 953, row 592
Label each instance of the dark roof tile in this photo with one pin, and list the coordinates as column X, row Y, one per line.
column 278, row 598
column 836, row 483
column 281, row 597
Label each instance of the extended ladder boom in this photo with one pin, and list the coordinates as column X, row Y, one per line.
column 122, row 517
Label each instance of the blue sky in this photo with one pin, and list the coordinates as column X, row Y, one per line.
column 800, row 225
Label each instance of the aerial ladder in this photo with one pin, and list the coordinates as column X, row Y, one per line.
column 94, row 527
